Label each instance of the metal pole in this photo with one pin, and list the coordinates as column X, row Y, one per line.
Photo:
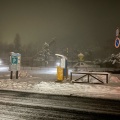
column 88, row 78
column 11, row 74
column 71, row 76
column 16, row 74
column 106, row 78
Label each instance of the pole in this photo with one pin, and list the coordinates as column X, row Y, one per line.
column 16, row 74
column 11, row 74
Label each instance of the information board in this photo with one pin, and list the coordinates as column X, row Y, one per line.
column 15, row 60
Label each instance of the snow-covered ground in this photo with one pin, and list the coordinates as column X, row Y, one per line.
column 33, row 81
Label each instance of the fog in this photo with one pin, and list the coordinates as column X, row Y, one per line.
column 77, row 24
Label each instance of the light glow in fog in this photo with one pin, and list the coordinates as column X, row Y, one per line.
column 0, row 62
column 58, row 64
column 4, row 68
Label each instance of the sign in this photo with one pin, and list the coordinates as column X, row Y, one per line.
column 81, row 57
column 14, row 60
column 117, row 42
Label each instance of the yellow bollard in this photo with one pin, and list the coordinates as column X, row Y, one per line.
column 60, row 76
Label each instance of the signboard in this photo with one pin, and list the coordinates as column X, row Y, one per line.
column 117, row 42
column 15, row 60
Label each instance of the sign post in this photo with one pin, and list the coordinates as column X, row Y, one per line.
column 117, row 40
column 15, row 60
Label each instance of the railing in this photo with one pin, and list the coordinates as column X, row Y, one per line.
column 88, row 74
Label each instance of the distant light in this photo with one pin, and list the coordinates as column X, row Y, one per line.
column 4, row 69
column 0, row 62
column 58, row 64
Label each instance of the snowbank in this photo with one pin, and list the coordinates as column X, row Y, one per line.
column 27, row 82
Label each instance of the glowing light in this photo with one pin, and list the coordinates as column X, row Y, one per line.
column 0, row 62
column 4, row 69
column 58, row 64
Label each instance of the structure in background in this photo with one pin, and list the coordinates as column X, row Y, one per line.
column 81, row 57
column 80, row 61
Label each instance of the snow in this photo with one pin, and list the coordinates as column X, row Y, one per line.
column 46, row 83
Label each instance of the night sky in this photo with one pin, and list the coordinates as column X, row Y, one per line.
column 71, row 23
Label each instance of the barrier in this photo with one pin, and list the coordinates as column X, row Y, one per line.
column 88, row 74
